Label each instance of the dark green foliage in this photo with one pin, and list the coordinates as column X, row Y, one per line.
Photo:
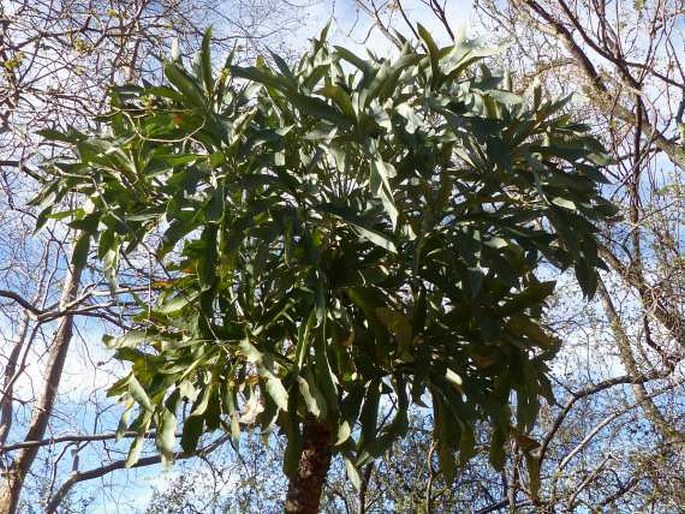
column 343, row 239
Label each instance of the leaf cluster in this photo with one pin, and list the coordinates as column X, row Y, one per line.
column 343, row 238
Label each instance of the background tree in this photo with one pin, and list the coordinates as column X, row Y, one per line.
column 338, row 245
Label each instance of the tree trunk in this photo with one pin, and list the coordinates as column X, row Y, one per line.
column 10, row 489
column 12, row 477
column 6, row 411
column 304, row 489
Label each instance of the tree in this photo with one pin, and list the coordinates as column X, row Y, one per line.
column 336, row 245
column 39, row 41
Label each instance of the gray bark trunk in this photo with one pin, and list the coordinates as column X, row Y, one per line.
column 12, row 478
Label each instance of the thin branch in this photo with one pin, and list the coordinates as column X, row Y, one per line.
column 606, row 384
column 75, row 438
column 602, row 424
column 34, row 311
column 83, row 476
column 557, row 29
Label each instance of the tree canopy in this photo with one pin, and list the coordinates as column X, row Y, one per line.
column 334, row 241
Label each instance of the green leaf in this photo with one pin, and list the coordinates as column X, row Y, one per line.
column 433, row 52
column 313, row 400
column 293, row 450
column 467, row 445
column 79, row 257
column 344, row 433
column 370, row 300
column 192, row 430
column 166, row 435
column 366, row 67
column 174, row 305
column 138, row 393
column 352, row 473
column 531, row 297
column 250, row 351
column 564, row 203
column 524, row 326
column 263, row 77
column 497, row 454
column 454, row 378
column 533, row 465
column 369, row 413
column 379, row 183
column 122, row 426
column 206, row 62
column 341, row 98
column 70, row 136
column 507, row 98
column 304, row 339
column 399, row 326
column 130, row 339
column 376, row 236
column 385, row 81
column 192, row 93
column 276, row 391
column 282, row 66
column 323, row 371
column 444, row 431
column 447, row 461
column 134, row 451
column 203, row 402
column 319, row 109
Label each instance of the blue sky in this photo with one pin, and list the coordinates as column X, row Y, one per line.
column 353, row 28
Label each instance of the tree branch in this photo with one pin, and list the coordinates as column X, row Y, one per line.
column 75, row 438
column 604, row 98
column 82, row 476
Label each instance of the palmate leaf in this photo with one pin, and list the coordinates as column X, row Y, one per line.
column 344, row 234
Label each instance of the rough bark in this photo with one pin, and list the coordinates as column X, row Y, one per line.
column 12, row 478
column 304, row 489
